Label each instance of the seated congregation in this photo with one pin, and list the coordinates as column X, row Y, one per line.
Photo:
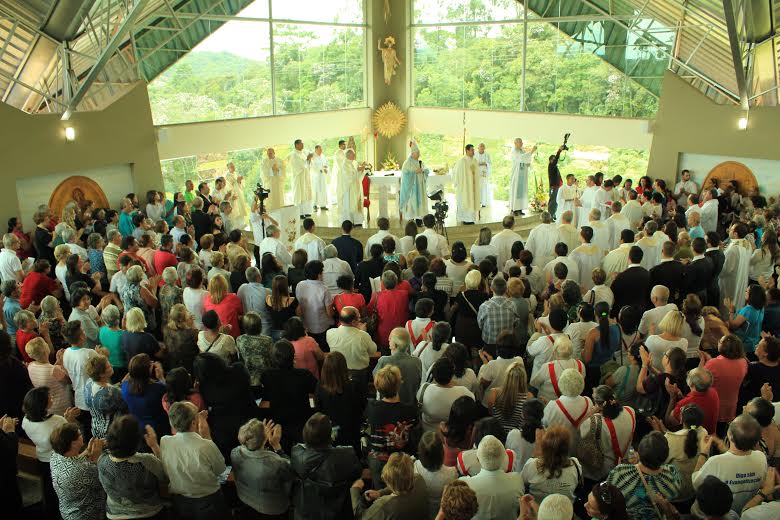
column 619, row 364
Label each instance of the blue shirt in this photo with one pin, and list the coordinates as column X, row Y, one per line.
column 750, row 331
column 126, row 226
column 147, row 408
column 602, row 353
column 96, row 262
column 696, row 232
column 10, row 308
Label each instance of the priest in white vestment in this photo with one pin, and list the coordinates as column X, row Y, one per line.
column 586, row 201
column 633, row 211
column 684, row 188
column 601, row 232
column 505, row 239
column 567, row 233
column 518, row 185
column 650, row 246
column 339, row 156
column 709, row 211
column 298, row 162
column 272, row 244
column 234, row 183
column 617, row 223
column 588, row 257
column 466, row 179
column 319, row 178
column 273, row 174
column 616, row 260
column 485, row 169
column 567, row 195
column 733, row 279
column 311, row 243
column 542, row 240
column 602, row 199
column 413, row 198
column 350, row 190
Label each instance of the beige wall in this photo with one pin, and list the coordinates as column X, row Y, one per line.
column 223, row 136
column 35, row 145
column 689, row 122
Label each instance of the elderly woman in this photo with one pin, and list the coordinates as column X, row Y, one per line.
column 465, row 309
column 324, row 471
column 138, row 295
column 170, row 293
column 391, row 306
column 136, row 340
column 728, row 371
column 671, row 330
column 83, row 312
column 254, row 348
column 436, row 398
column 38, row 284
column 410, row 366
column 181, row 338
column 571, row 409
column 53, row 377
column 226, row 304
column 615, row 437
column 95, row 244
column 75, row 475
column 103, row 400
column 406, row 495
column 110, row 337
column 218, row 264
column 132, row 480
column 143, row 391
column 262, row 471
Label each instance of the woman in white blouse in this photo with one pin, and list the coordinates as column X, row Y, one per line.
column 553, row 471
column 430, row 351
column 546, row 379
column 457, row 267
column 671, row 327
column 482, row 247
column 693, row 328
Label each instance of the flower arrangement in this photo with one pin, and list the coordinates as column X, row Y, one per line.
column 539, row 198
column 390, row 163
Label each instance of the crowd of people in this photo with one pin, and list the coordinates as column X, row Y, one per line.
column 621, row 364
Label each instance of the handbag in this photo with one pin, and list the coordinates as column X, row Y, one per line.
column 669, row 511
column 372, row 317
column 589, row 451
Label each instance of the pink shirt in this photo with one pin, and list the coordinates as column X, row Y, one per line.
column 728, row 375
column 55, row 377
column 305, row 348
column 228, row 310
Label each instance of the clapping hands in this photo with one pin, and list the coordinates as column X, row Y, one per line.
column 8, row 424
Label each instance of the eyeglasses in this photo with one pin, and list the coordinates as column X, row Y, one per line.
column 604, row 493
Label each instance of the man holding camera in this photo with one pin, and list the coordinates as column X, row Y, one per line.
column 555, row 180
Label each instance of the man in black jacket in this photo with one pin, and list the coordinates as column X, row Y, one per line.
column 698, row 274
column 201, row 221
column 632, row 286
column 350, row 249
column 669, row 273
column 554, row 177
column 715, row 254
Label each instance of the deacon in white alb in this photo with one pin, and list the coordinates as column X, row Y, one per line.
column 541, row 241
column 733, row 277
column 350, row 190
column 684, row 188
column 299, row 162
column 601, row 234
column 650, row 246
column 588, row 257
column 319, row 178
column 273, row 174
column 339, row 156
column 567, row 233
column 518, row 185
column 586, row 201
column 616, row 260
column 485, row 168
column 633, row 211
column 466, row 179
column 617, row 223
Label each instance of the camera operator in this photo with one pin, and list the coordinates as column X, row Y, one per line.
column 555, row 179
column 257, row 218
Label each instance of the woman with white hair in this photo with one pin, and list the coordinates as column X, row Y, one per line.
column 51, row 314
column 262, row 471
column 334, row 267
column 140, row 296
column 410, row 366
column 546, row 379
column 671, row 327
column 110, row 337
column 570, row 409
column 465, row 310
column 170, row 293
column 136, row 340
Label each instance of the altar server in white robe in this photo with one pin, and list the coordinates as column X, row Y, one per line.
column 505, row 239
column 617, row 260
column 567, row 195
column 588, row 257
column 311, row 243
column 684, row 188
column 518, row 185
column 273, row 174
column 709, row 211
column 567, row 233
column 234, row 184
column 319, row 178
column 413, row 199
column 650, row 246
column 633, row 211
column 298, row 162
column 733, row 279
column 586, row 201
column 485, row 169
column 602, row 198
column 542, row 240
column 617, row 223
column 467, row 182
column 601, row 233
column 350, row 190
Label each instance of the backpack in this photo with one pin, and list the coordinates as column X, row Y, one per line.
column 589, row 449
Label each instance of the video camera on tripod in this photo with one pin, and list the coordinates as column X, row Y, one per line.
column 260, row 192
column 440, row 209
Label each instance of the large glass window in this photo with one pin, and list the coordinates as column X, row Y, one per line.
column 318, row 56
column 469, row 54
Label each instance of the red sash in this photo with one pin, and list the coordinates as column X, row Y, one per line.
column 417, row 339
column 575, row 423
column 464, row 471
column 613, row 436
column 554, row 378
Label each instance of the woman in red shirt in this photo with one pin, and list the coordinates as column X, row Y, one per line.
column 226, row 304
column 25, row 332
column 38, row 284
column 349, row 298
column 728, row 371
column 391, row 305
